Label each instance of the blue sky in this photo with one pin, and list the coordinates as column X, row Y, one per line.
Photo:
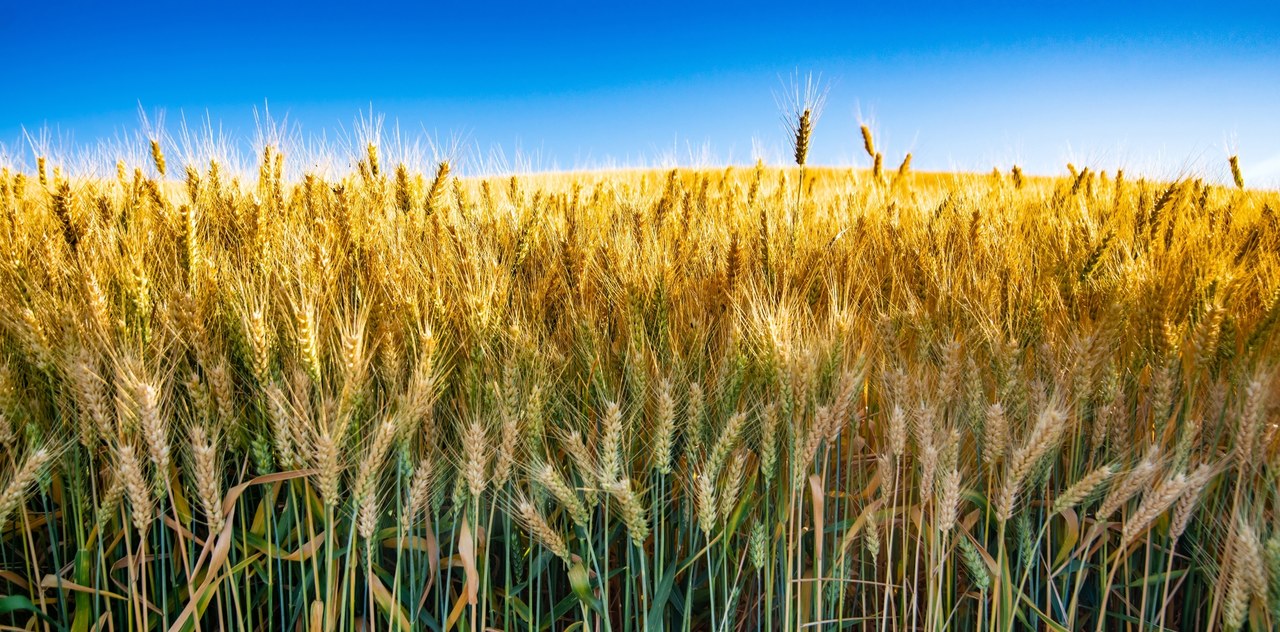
column 1157, row 87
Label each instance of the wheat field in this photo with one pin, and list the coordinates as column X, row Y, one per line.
column 776, row 398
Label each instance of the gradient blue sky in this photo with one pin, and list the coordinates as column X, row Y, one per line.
column 1157, row 87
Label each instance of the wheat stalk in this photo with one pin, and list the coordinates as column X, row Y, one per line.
column 632, row 510
column 15, row 489
column 1236, row 176
column 948, row 502
column 135, row 487
column 541, row 530
column 1135, row 481
column 611, row 440
column 549, row 477
column 664, row 430
column 475, row 462
column 1154, row 503
column 1047, row 430
column 207, row 475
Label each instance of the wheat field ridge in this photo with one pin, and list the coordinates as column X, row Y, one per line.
column 742, row 398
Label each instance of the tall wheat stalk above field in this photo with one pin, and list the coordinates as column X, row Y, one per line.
column 801, row 103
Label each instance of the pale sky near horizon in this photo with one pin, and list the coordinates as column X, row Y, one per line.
column 1161, row 88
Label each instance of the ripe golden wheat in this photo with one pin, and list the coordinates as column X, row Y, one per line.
column 695, row 399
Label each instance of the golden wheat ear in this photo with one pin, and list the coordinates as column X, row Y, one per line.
column 903, row 169
column 157, row 157
column 435, row 193
column 24, row 477
column 804, row 128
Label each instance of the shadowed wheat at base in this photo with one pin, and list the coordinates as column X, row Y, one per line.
column 400, row 398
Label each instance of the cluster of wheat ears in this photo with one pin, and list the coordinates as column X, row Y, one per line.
column 768, row 398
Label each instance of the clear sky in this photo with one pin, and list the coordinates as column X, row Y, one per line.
column 1160, row 87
